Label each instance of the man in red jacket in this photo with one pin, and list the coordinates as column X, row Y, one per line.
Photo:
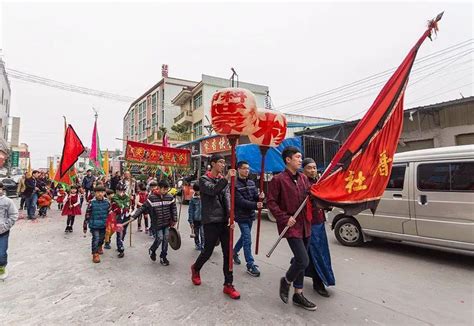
column 286, row 193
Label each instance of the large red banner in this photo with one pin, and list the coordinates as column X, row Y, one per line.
column 359, row 172
column 156, row 155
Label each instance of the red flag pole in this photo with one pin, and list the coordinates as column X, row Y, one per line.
column 263, row 151
column 232, row 141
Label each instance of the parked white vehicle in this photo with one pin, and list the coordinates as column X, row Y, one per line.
column 429, row 199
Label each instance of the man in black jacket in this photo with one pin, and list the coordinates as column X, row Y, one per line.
column 161, row 206
column 215, row 207
column 88, row 183
column 246, row 202
column 31, row 194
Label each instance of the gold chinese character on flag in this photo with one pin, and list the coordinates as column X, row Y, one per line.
column 355, row 184
column 384, row 160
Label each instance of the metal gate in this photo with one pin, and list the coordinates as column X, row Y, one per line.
column 321, row 149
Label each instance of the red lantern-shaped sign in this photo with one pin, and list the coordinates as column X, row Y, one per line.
column 270, row 129
column 233, row 111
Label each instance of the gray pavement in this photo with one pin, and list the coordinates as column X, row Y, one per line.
column 53, row 281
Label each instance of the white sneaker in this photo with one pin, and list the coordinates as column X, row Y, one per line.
column 3, row 273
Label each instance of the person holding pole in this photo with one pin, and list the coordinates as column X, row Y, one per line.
column 287, row 191
column 215, row 204
column 246, row 202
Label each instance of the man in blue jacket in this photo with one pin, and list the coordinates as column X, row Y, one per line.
column 246, row 202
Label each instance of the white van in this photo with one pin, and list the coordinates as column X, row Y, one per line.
column 429, row 199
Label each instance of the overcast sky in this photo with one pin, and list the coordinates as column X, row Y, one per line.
column 298, row 50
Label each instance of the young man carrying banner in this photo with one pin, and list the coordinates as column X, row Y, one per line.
column 287, row 191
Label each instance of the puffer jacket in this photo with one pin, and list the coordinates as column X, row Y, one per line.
column 215, row 199
column 8, row 214
column 246, row 198
column 97, row 212
column 161, row 208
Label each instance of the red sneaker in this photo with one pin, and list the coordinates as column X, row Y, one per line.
column 195, row 277
column 231, row 291
column 100, row 251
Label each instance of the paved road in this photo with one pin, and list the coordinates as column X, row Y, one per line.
column 54, row 282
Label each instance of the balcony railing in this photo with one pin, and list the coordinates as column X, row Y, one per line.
column 182, row 115
column 158, row 136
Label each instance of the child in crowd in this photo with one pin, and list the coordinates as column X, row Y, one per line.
column 44, row 201
column 96, row 215
column 60, row 196
column 142, row 197
column 121, row 206
column 162, row 209
column 194, row 218
column 109, row 227
column 71, row 208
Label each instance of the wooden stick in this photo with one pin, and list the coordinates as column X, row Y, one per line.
column 232, row 141
column 282, row 234
column 263, row 151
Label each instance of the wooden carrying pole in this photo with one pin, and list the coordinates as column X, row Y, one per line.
column 263, row 151
column 232, row 142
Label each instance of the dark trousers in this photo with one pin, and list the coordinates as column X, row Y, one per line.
column 98, row 236
column 60, row 206
column 120, row 236
column 145, row 217
column 22, row 202
column 299, row 262
column 70, row 220
column 212, row 233
column 198, row 233
column 43, row 210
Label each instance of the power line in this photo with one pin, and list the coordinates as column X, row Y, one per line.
column 354, row 94
column 16, row 74
column 305, row 101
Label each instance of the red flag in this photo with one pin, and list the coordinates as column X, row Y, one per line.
column 359, row 172
column 72, row 149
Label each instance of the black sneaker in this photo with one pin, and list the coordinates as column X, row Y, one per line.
column 152, row 254
column 300, row 301
column 237, row 259
column 284, row 290
column 164, row 261
column 253, row 270
column 107, row 245
column 66, row 230
column 121, row 254
column 70, row 229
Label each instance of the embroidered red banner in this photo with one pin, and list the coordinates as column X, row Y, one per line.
column 157, row 155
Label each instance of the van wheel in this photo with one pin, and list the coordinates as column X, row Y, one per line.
column 348, row 232
column 270, row 216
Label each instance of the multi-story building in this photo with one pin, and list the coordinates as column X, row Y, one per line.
column 151, row 112
column 4, row 113
column 195, row 103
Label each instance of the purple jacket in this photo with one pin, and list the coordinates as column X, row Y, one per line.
column 283, row 199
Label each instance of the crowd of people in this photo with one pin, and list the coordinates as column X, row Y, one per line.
column 113, row 203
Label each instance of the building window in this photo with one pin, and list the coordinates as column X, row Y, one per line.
column 154, row 112
column 197, row 100
column 141, row 120
column 197, row 129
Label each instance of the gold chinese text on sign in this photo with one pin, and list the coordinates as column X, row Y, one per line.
column 384, row 161
column 355, row 184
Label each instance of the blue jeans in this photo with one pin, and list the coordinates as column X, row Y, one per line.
column 245, row 241
column 4, row 248
column 98, row 236
column 161, row 237
column 31, row 205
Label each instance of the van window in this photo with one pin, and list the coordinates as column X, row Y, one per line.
column 462, row 176
column 456, row 176
column 397, row 178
